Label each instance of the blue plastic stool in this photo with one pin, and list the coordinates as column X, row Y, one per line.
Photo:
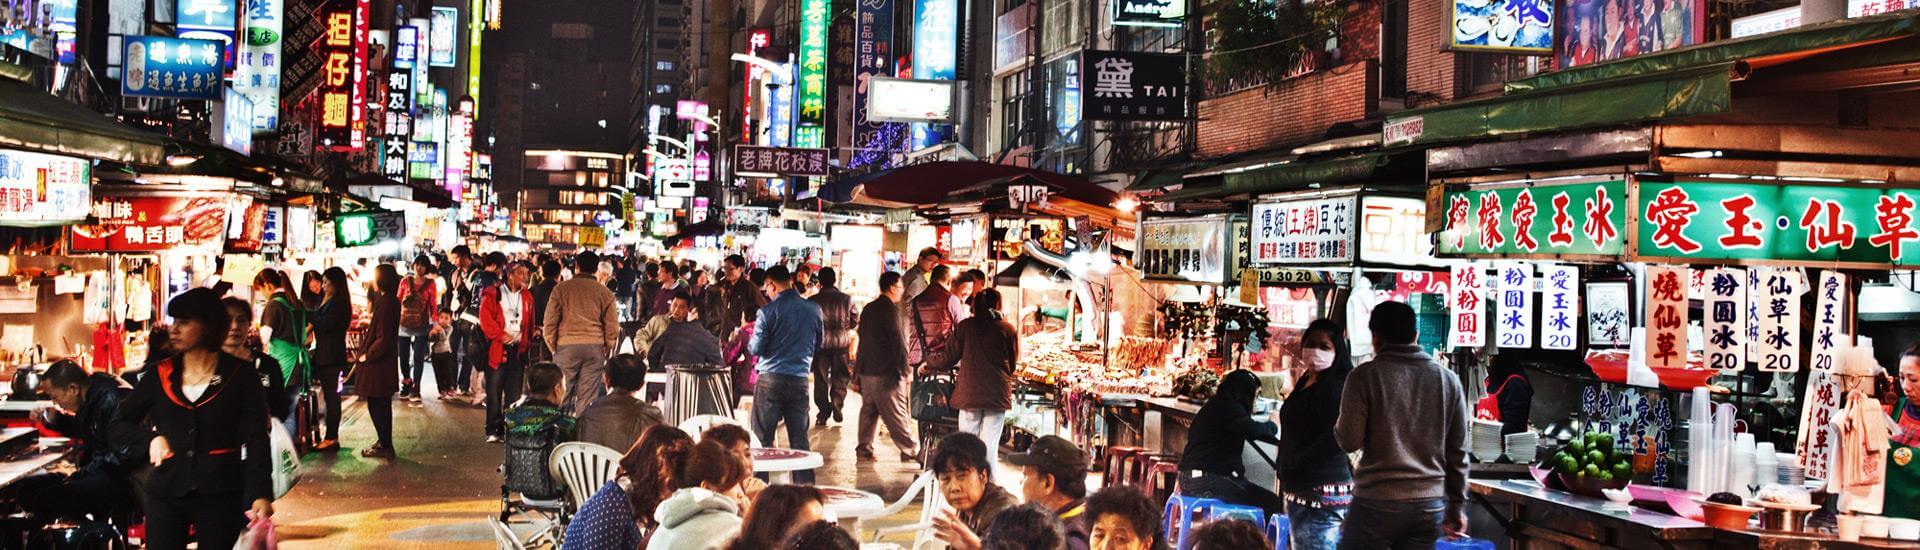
column 1250, row 514
column 1179, row 518
column 1280, row 531
column 1463, row 544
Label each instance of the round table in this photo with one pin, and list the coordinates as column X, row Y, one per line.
column 779, row 463
column 849, row 505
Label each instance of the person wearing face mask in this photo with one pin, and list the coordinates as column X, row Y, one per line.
column 1210, row 467
column 1315, row 478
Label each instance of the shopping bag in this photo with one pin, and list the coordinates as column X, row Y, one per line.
column 929, row 399
column 258, row 536
column 286, row 459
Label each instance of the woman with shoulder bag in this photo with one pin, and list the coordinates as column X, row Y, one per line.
column 987, row 346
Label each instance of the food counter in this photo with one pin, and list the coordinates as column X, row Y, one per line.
column 1537, row 517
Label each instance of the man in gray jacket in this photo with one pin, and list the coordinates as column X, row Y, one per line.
column 1407, row 416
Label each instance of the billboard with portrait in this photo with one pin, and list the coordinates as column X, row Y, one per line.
column 1594, row 31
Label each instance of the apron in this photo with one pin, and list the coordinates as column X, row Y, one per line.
column 294, row 358
column 1488, row 408
column 1903, row 467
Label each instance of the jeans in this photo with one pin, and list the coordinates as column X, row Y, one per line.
column 782, row 398
column 503, row 388
column 1232, row 490
column 1399, row 524
column 830, row 374
column 883, row 400
column 585, row 369
column 464, row 363
column 986, row 423
column 1315, row 528
column 413, row 360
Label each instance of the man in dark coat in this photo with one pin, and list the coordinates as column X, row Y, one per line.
column 838, row 318
column 86, row 404
column 881, row 362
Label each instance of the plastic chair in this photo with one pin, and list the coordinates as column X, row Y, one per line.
column 1221, row 511
column 927, row 487
column 1280, row 531
column 699, row 423
column 1179, row 518
column 584, row 467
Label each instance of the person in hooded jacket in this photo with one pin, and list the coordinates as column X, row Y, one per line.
column 1315, row 478
column 1211, row 466
column 705, row 511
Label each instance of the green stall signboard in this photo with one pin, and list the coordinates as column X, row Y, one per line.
column 1722, row 222
column 1580, row 219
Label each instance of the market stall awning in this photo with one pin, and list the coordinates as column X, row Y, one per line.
column 32, row 119
column 433, row 197
column 1159, row 178
column 1020, row 267
column 1288, row 177
column 930, row 183
column 703, row 229
column 1684, row 82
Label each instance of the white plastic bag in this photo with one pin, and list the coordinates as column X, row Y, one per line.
column 286, row 459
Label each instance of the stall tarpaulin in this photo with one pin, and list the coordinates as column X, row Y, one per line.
column 151, row 224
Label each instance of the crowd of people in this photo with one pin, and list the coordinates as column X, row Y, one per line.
column 557, row 349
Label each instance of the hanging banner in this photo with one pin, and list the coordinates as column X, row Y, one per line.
column 1609, row 306
column 1468, row 328
column 1725, row 307
column 1666, row 345
column 179, row 68
column 1514, row 321
column 1581, row 219
column 1778, row 346
column 1188, row 250
column 1819, row 224
column 1303, row 231
column 149, row 224
column 1817, row 438
column 1830, row 331
column 1559, row 307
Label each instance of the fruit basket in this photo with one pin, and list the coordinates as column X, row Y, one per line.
column 1590, row 464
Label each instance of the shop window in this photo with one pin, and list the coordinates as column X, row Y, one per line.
column 1486, row 73
column 1013, row 110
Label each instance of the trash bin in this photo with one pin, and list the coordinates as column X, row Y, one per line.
column 697, row 389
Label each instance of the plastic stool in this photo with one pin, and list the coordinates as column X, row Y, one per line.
column 1280, row 530
column 1165, row 482
column 1250, row 514
column 1463, row 544
column 1179, row 518
column 1115, row 464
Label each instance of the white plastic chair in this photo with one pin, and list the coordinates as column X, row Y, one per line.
column 927, row 489
column 698, row 424
column 584, row 467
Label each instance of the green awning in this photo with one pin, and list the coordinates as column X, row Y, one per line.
column 1698, row 91
column 1157, row 178
column 32, row 119
column 1818, row 36
column 1287, row 177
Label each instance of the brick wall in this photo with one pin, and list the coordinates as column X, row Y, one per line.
column 1430, row 71
column 1360, row 31
column 1291, row 113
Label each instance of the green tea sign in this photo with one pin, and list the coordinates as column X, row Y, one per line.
column 1583, row 219
column 1707, row 221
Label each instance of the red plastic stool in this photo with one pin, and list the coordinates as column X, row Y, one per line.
column 1166, row 480
column 1115, row 457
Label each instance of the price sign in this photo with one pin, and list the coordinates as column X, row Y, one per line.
column 1725, row 309
column 1779, row 341
column 1514, row 326
column 1468, row 328
column 1559, row 307
column 1830, row 336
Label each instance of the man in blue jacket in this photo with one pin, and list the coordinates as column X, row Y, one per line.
column 785, row 339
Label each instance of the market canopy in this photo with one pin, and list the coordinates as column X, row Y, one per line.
column 32, row 119
column 932, row 182
column 1288, row 177
column 1691, row 81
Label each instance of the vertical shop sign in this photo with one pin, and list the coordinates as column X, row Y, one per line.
column 208, row 20
column 1469, row 329
column 1830, row 336
column 336, row 78
column 756, row 39
column 257, row 71
column 813, row 75
column 1515, row 317
column 1559, row 307
column 1779, row 340
column 357, row 114
column 443, row 35
column 873, row 52
column 936, row 31
column 1725, row 308
column 398, row 126
column 422, row 50
column 1666, row 344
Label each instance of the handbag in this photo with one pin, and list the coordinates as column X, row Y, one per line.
column 931, row 399
column 286, row 459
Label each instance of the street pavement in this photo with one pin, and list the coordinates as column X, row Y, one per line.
column 445, row 483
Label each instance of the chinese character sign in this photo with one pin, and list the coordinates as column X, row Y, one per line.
column 1777, row 346
column 756, row 161
column 334, row 92
column 1666, row 344
column 812, row 86
column 39, row 189
column 1724, row 306
column 443, row 37
column 1513, row 320
column 1817, row 410
column 1469, row 314
column 1586, row 219
column 1559, row 307
column 1133, row 86
column 208, row 20
column 146, row 224
column 1190, row 250
column 1303, row 231
column 257, row 70
column 1830, row 332
column 180, row 68
column 1811, row 223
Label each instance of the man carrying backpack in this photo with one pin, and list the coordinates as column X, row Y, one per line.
column 419, row 298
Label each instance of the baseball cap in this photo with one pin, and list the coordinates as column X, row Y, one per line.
column 1052, row 452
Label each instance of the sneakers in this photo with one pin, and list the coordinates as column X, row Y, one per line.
column 493, row 438
column 377, row 451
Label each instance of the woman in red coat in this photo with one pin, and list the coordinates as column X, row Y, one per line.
column 377, row 377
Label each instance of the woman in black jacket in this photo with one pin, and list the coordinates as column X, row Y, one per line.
column 240, row 344
column 330, row 322
column 1315, row 477
column 207, row 412
column 1211, row 466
